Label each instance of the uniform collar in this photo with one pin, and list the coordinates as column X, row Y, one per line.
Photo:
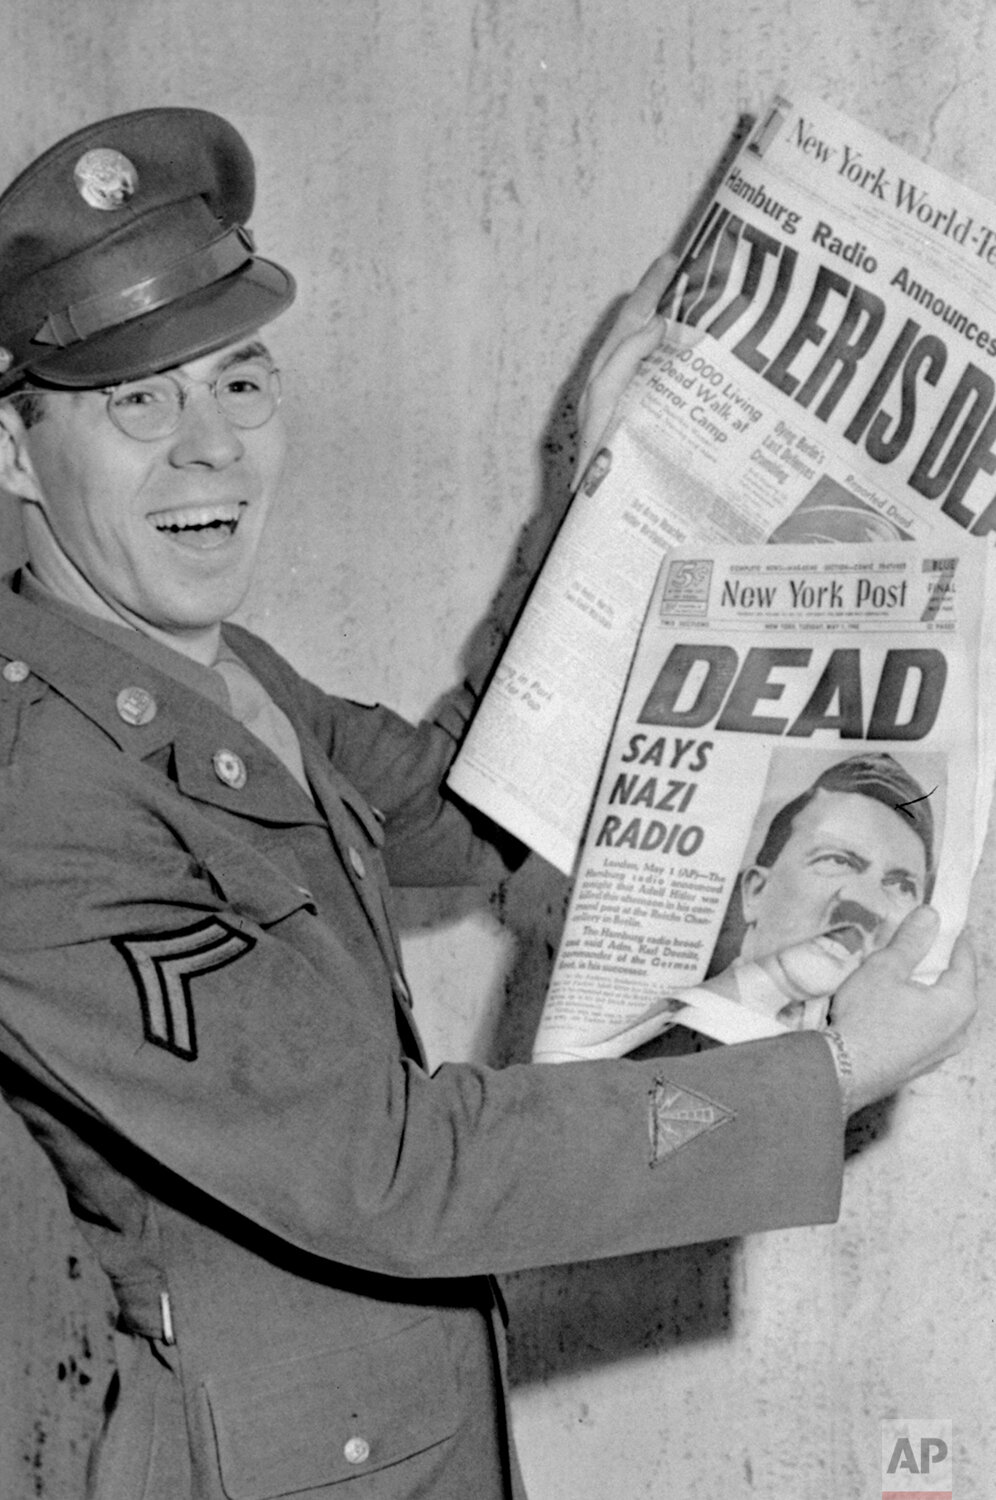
column 153, row 652
column 103, row 669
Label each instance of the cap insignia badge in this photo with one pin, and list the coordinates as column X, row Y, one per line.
column 105, row 178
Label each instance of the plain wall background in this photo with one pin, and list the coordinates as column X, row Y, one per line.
column 463, row 188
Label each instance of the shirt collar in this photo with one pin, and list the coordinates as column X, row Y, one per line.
column 146, row 648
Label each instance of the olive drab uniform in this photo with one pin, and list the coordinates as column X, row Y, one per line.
column 203, row 1016
column 206, row 1026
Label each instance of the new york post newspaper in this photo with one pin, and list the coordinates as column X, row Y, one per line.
column 841, row 387
column 802, row 755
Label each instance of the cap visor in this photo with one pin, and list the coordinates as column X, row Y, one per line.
column 208, row 319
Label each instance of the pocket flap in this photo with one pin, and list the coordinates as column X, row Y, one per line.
column 297, row 1424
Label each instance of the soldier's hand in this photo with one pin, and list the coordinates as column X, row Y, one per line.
column 895, row 1028
column 635, row 333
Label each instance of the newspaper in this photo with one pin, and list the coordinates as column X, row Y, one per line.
column 846, row 678
column 830, row 376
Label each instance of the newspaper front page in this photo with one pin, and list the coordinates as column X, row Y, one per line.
column 801, row 757
column 842, row 388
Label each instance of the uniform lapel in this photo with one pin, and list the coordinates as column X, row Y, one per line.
column 215, row 760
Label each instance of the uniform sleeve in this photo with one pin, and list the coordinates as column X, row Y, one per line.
column 252, row 1051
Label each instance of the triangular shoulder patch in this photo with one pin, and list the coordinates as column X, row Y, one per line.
column 678, row 1115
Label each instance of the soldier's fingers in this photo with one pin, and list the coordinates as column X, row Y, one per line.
column 602, row 394
column 962, row 963
column 639, row 307
column 956, row 987
column 910, row 943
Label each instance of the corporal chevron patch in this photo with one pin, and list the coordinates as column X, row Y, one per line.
column 163, row 964
column 678, row 1115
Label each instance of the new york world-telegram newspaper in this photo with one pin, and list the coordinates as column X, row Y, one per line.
column 830, row 377
column 802, row 756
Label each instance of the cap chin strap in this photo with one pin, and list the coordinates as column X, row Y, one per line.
column 81, row 320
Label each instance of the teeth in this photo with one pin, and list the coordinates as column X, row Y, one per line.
column 199, row 515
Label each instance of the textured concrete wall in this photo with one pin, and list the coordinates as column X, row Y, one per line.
column 463, row 188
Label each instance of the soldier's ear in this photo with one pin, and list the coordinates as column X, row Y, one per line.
column 17, row 472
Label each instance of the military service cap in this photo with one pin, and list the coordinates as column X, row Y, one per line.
column 124, row 249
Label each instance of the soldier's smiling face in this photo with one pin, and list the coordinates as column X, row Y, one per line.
column 165, row 531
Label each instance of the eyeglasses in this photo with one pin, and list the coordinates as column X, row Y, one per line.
column 247, row 394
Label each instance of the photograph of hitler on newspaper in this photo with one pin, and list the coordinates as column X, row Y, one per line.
column 842, row 850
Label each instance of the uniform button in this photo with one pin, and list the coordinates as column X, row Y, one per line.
column 230, row 768
column 356, row 1451
column 136, row 706
column 356, row 860
column 16, row 671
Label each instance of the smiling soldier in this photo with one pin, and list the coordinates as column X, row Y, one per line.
column 202, row 1007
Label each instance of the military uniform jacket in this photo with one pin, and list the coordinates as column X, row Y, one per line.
column 206, row 1026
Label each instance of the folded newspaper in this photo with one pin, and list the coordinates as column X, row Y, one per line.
column 841, row 389
column 803, row 754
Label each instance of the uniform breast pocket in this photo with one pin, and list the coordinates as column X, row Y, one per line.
column 264, row 881
column 299, row 1425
